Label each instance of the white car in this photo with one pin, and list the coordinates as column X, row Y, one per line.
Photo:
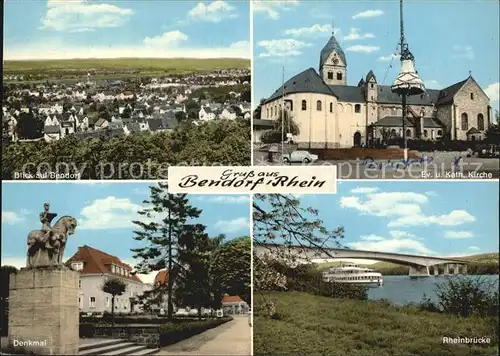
column 299, row 156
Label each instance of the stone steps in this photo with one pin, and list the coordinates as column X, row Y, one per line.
column 113, row 347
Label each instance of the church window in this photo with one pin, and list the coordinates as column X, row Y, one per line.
column 471, row 96
column 318, row 105
column 372, row 98
column 339, row 76
column 425, row 133
column 440, row 133
column 304, row 105
column 330, row 75
column 408, row 133
column 465, row 122
column 480, row 122
column 357, row 108
column 371, row 85
column 331, row 107
column 291, row 105
column 267, row 112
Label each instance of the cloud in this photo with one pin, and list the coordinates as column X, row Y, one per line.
column 362, row 48
column 371, row 237
column 282, row 47
column 356, row 35
column 458, row 235
column 392, row 245
column 403, row 209
column 109, row 213
column 168, row 39
column 431, row 193
column 310, row 31
column 389, row 57
column 364, row 190
column 475, row 248
column 214, row 12
column 367, row 14
column 432, row 84
column 463, row 52
column 493, row 91
column 55, row 50
column 398, row 234
column 235, row 225
column 272, row 8
column 82, row 16
column 227, row 199
column 12, row 217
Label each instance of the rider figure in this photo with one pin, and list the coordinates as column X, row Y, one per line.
column 46, row 218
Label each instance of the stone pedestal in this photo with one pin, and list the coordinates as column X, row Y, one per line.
column 43, row 311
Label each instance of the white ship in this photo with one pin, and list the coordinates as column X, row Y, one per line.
column 351, row 273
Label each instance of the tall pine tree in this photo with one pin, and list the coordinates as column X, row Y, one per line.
column 167, row 219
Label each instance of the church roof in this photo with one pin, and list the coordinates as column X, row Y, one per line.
column 371, row 75
column 307, row 81
column 386, row 96
column 347, row 93
column 331, row 46
column 446, row 95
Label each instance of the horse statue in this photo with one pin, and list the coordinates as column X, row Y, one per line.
column 47, row 248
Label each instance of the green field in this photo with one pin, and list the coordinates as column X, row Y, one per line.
column 125, row 64
column 311, row 325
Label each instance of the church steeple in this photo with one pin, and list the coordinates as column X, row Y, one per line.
column 332, row 63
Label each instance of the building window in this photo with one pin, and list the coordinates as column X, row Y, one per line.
column 79, row 283
column 465, row 122
column 330, row 75
column 371, row 85
column 318, row 105
column 267, row 112
column 77, row 266
column 372, row 97
column 425, row 133
column 480, row 122
column 331, row 107
column 357, row 108
column 304, row 105
column 440, row 133
column 92, row 302
column 408, row 133
column 339, row 76
column 471, row 96
column 107, row 302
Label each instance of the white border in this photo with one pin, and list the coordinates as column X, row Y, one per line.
column 252, row 81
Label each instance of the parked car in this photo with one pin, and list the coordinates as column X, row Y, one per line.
column 299, row 156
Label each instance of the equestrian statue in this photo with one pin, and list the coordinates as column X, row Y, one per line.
column 46, row 246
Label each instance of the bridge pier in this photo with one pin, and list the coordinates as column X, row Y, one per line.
column 419, row 271
column 435, row 270
column 446, row 269
column 455, row 270
column 464, row 269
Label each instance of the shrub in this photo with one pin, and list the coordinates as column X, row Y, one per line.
column 175, row 332
column 465, row 297
column 86, row 330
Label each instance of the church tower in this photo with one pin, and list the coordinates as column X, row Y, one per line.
column 332, row 63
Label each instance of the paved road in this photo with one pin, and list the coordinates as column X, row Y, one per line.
column 232, row 338
column 440, row 166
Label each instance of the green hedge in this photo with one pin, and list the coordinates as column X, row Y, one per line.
column 142, row 320
column 86, row 329
column 172, row 333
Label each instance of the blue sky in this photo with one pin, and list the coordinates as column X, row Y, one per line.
column 414, row 217
column 447, row 38
column 52, row 29
column 104, row 212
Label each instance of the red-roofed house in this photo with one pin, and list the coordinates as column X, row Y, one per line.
column 234, row 305
column 95, row 268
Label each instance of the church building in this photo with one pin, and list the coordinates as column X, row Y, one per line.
column 332, row 114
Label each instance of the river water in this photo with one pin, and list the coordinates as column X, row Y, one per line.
column 403, row 289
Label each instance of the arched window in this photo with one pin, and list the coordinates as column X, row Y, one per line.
column 318, row 105
column 330, row 75
column 471, row 96
column 357, row 108
column 339, row 76
column 425, row 133
column 473, row 138
column 267, row 112
column 480, row 122
column 440, row 133
column 465, row 122
column 408, row 133
column 304, row 105
column 331, row 107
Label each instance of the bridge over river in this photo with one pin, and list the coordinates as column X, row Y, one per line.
column 419, row 265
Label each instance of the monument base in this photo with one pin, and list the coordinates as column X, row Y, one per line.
column 44, row 311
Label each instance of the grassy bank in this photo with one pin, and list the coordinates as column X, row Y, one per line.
column 311, row 325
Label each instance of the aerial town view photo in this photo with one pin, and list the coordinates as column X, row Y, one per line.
column 388, row 91
column 122, row 90
column 123, row 269
column 381, row 268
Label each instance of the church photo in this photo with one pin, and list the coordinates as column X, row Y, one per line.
column 340, row 76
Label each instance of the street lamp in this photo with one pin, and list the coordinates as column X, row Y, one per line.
column 408, row 81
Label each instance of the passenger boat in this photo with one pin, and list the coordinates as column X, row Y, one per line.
column 351, row 273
